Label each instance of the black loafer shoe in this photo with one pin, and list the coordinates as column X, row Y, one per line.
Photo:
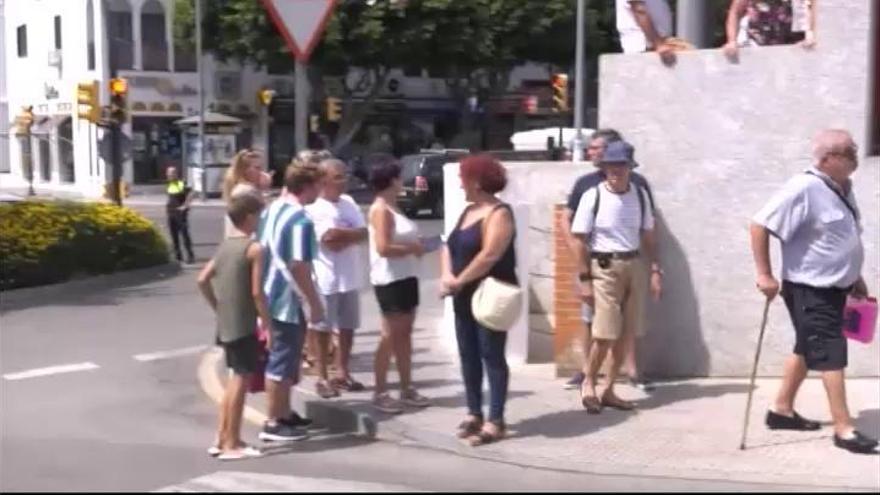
column 776, row 421
column 858, row 444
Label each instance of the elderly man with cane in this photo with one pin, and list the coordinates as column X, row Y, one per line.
column 815, row 218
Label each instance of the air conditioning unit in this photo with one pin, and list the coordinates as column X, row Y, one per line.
column 55, row 58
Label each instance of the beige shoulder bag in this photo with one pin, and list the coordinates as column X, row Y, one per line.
column 496, row 305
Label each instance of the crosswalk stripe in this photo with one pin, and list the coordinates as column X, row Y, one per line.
column 237, row 481
column 51, row 370
column 155, row 356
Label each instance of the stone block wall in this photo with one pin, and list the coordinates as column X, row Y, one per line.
column 716, row 139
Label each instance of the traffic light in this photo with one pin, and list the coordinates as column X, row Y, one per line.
column 334, row 109
column 265, row 96
column 24, row 120
column 88, row 106
column 560, row 92
column 119, row 100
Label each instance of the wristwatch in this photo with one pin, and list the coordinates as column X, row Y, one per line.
column 655, row 268
column 585, row 277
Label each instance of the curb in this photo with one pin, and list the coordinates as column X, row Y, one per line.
column 359, row 418
column 12, row 298
column 304, row 402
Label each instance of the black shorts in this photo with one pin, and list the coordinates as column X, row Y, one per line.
column 242, row 355
column 397, row 297
column 817, row 316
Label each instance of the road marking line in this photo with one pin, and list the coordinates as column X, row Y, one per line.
column 51, row 370
column 155, row 356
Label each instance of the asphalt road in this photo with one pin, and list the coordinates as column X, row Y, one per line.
column 99, row 392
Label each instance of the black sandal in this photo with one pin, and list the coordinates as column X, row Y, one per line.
column 484, row 437
column 469, row 427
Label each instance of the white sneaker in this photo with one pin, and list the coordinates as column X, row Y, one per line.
column 413, row 399
column 214, row 451
column 246, row 452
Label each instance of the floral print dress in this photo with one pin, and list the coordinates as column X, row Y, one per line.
column 771, row 21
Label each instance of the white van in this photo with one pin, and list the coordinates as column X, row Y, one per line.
column 536, row 139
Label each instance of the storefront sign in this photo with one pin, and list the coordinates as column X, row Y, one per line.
column 163, row 85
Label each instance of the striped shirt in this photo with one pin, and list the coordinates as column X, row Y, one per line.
column 285, row 230
column 618, row 225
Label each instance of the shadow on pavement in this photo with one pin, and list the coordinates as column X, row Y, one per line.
column 868, row 422
column 577, row 422
column 100, row 290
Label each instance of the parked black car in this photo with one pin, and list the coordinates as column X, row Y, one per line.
column 422, row 175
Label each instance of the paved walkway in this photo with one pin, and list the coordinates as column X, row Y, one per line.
column 683, row 429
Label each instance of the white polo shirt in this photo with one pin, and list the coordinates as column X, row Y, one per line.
column 632, row 39
column 618, row 225
column 341, row 271
column 821, row 238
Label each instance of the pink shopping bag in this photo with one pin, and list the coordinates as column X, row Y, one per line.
column 860, row 319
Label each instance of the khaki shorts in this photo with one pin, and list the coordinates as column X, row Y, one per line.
column 620, row 292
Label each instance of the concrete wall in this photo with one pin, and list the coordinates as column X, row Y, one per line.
column 716, row 139
column 537, row 187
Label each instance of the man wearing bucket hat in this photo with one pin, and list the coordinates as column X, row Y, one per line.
column 815, row 218
column 614, row 229
column 596, row 147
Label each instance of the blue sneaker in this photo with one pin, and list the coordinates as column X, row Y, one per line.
column 576, row 381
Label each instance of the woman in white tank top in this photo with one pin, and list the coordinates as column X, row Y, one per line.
column 395, row 249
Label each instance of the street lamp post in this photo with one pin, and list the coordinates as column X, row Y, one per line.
column 201, row 87
column 577, row 153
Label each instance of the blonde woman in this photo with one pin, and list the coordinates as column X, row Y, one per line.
column 244, row 176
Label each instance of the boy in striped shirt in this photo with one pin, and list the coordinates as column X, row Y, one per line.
column 288, row 238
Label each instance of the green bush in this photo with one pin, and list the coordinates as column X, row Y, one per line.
column 43, row 242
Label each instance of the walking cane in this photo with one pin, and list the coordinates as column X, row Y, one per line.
column 742, row 445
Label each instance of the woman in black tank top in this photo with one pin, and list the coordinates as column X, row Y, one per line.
column 480, row 246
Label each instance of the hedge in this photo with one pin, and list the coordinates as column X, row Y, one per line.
column 44, row 242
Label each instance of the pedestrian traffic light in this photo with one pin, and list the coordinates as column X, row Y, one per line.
column 560, row 92
column 265, row 96
column 119, row 100
column 334, row 109
column 88, row 106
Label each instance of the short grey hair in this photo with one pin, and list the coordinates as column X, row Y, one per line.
column 829, row 141
column 313, row 156
column 329, row 164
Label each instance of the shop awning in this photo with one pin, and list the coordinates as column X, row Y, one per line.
column 210, row 118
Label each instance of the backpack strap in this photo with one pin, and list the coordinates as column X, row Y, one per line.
column 639, row 193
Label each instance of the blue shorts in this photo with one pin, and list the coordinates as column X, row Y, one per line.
column 285, row 355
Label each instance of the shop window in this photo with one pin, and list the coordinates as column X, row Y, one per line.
column 45, row 160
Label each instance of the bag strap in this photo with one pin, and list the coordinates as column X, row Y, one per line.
column 486, row 218
column 845, row 201
column 638, row 189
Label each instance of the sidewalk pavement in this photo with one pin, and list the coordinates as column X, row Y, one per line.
column 683, row 429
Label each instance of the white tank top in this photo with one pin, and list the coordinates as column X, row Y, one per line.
column 384, row 271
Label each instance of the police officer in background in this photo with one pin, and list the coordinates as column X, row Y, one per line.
column 180, row 197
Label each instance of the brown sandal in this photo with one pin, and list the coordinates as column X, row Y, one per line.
column 484, row 437
column 470, row 426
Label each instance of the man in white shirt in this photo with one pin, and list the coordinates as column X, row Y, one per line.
column 613, row 227
column 816, row 219
column 339, row 228
column 644, row 25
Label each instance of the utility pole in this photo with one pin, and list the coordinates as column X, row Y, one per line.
column 201, row 87
column 301, row 119
column 115, row 158
column 577, row 153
